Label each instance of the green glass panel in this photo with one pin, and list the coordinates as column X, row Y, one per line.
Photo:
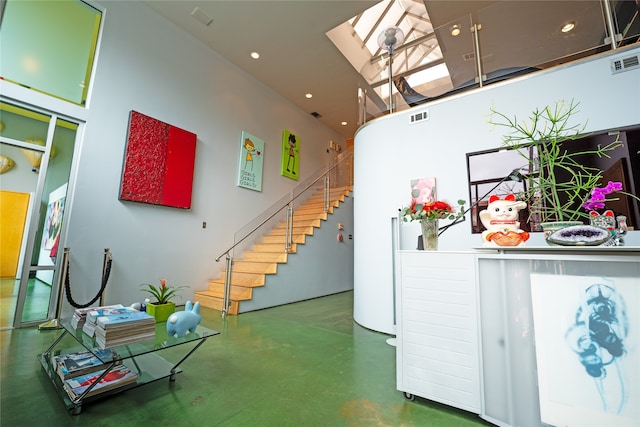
column 49, row 46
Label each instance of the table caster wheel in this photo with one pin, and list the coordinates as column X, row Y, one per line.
column 410, row 397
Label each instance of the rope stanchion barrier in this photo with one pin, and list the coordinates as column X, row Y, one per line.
column 66, row 288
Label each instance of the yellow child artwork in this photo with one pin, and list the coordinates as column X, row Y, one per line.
column 251, row 162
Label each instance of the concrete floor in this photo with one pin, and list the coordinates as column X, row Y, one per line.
column 302, row 364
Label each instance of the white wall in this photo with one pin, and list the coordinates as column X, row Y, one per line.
column 390, row 152
column 151, row 66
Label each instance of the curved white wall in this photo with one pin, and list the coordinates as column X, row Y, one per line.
column 390, row 152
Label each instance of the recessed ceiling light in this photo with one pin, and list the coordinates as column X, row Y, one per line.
column 343, row 123
column 455, row 30
column 309, row 95
column 568, row 26
column 255, row 55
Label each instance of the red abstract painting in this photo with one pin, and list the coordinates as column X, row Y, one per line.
column 158, row 163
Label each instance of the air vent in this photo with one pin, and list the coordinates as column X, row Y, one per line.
column 624, row 64
column 419, row 117
column 316, row 114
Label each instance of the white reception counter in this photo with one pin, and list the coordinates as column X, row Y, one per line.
column 528, row 336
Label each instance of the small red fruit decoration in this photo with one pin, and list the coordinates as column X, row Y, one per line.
column 501, row 222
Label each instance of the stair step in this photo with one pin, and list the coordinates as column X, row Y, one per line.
column 281, row 239
column 315, row 210
column 244, row 279
column 215, row 303
column 320, row 198
column 214, row 283
column 319, row 204
column 238, row 293
column 309, row 216
column 297, row 231
column 242, row 266
column 302, row 222
column 273, row 247
column 257, row 255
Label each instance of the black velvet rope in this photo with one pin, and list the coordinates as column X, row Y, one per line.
column 105, row 279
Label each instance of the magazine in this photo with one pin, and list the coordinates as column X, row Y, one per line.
column 119, row 376
column 75, row 364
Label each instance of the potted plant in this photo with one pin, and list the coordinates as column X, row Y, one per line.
column 161, row 307
column 561, row 186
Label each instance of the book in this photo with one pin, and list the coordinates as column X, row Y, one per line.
column 119, row 376
column 124, row 328
column 74, row 364
column 92, row 316
column 104, row 342
column 80, row 315
column 124, row 319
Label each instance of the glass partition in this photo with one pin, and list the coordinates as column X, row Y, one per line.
column 41, row 148
column 49, row 46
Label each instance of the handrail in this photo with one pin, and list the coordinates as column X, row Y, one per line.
column 295, row 193
column 323, row 173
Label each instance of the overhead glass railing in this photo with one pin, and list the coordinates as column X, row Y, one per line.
column 502, row 41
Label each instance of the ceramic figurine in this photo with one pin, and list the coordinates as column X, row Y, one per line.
column 501, row 222
column 182, row 321
column 617, row 226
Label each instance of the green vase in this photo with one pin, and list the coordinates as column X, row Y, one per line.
column 161, row 311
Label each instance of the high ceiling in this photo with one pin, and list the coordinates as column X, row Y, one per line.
column 296, row 57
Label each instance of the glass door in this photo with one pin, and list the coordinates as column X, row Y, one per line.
column 37, row 150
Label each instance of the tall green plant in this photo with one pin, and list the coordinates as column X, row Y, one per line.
column 550, row 130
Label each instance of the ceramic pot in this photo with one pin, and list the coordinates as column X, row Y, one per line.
column 429, row 234
column 161, row 312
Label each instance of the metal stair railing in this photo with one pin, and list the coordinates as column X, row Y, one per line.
column 337, row 174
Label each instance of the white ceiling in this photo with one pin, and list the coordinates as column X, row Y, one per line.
column 296, row 55
column 298, row 58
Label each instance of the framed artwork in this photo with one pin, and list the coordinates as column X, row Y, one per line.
column 423, row 190
column 587, row 349
column 51, row 230
column 158, row 163
column 290, row 155
column 250, row 167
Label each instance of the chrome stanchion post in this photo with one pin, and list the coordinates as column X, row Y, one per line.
column 227, row 287
column 105, row 262
column 288, row 243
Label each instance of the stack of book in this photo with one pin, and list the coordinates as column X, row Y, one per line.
column 124, row 328
column 80, row 315
column 85, row 362
column 119, row 376
column 89, row 326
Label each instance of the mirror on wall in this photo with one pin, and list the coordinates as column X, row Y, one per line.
column 497, row 171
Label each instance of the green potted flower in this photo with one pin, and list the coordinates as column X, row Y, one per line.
column 161, row 307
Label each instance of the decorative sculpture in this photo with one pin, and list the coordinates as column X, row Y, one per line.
column 182, row 321
column 501, row 222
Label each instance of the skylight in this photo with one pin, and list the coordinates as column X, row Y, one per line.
column 419, row 60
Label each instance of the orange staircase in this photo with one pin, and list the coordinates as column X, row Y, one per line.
column 251, row 270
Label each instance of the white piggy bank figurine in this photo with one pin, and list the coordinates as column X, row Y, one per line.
column 182, row 321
